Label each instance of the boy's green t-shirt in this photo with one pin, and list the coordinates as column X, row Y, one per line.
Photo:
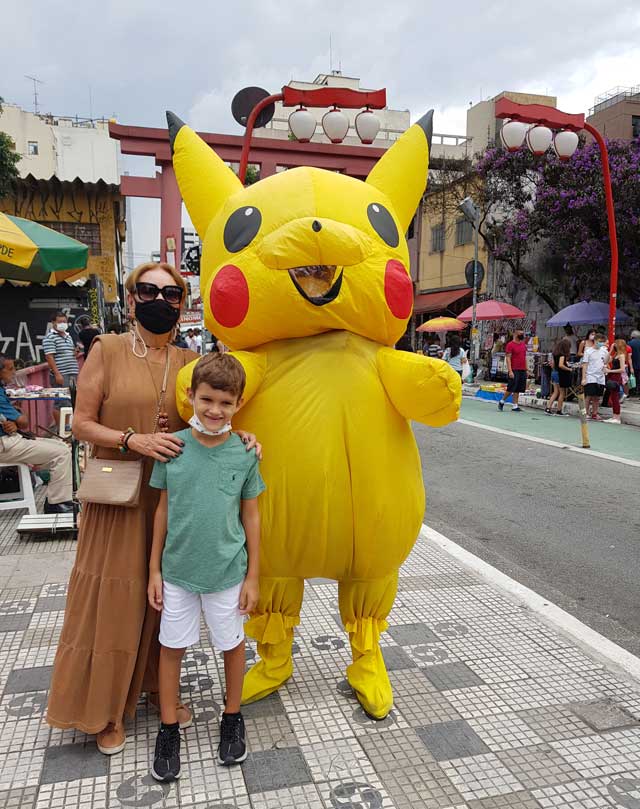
column 205, row 549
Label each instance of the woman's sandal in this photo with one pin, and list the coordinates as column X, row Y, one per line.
column 185, row 717
column 111, row 740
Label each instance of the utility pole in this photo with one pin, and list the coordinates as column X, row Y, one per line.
column 471, row 213
column 36, row 81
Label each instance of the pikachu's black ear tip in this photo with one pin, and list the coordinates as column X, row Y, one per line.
column 174, row 125
column 426, row 124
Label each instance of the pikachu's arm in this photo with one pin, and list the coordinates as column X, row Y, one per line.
column 420, row 388
column 254, row 367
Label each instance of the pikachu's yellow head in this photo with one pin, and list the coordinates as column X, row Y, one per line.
column 304, row 251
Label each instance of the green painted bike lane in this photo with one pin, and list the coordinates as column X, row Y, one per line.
column 620, row 440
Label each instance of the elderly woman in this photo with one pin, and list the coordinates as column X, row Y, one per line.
column 108, row 650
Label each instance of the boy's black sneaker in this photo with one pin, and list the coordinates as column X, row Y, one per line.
column 501, row 406
column 232, row 748
column 166, row 759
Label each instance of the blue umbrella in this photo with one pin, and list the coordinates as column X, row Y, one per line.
column 586, row 313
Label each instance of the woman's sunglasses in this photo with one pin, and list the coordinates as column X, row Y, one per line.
column 149, row 292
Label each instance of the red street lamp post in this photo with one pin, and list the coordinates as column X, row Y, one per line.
column 322, row 97
column 555, row 119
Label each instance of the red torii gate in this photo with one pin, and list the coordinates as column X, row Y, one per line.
column 268, row 153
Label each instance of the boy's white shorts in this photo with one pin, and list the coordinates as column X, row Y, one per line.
column 180, row 621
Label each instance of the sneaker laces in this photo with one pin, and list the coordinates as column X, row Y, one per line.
column 168, row 743
column 230, row 730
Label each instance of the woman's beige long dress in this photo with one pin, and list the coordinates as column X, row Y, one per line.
column 108, row 650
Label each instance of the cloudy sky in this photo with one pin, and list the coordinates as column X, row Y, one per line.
column 132, row 59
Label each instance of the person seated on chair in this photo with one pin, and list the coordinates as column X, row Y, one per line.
column 48, row 453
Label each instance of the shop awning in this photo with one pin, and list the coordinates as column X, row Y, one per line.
column 434, row 301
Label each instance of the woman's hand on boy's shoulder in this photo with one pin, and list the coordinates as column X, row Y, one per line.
column 250, row 442
column 154, row 590
column 249, row 595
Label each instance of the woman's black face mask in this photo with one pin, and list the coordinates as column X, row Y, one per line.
column 158, row 316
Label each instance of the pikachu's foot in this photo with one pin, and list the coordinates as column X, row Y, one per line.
column 369, row 679
column 264, row 678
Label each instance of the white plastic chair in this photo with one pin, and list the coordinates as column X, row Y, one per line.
column 25, row 497
column 66, row 419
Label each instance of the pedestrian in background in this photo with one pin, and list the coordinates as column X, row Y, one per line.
column 634, row 345
column 594, row 362
column 60, row 353
column 454, row 354
column 573, row 340
column 588, row 342
column 560, row 376
column 197, row 337
column 614, row 375
column 434, row 349
column 88, row 332
column 47, row 453
column 516, row 355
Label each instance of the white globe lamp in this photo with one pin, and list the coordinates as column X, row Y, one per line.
column 512, row 135
column 302, row 125
column 539, row 139
column 367, row 126
column 565, row 143
column 335, row 124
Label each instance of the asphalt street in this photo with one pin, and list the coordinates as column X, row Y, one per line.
column 564, row 524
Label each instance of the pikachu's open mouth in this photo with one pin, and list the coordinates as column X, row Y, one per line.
column 317, row 283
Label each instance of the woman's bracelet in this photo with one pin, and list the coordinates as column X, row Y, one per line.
column 123, row 443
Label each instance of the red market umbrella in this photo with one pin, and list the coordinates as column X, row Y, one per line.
column 492, row 310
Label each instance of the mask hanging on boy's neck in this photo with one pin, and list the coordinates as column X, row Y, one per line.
column 195, row 422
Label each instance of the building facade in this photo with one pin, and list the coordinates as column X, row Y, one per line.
column 65, row 147
column 69, row 181
column 616, row 113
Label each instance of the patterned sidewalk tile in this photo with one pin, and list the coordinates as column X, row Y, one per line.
column 76, row 794
column 481, row 776
column 492, row 710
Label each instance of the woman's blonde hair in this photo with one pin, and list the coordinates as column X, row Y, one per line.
column 621, row 347
column 134, row 275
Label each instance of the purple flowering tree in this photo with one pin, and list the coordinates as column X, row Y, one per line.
column 556, row 211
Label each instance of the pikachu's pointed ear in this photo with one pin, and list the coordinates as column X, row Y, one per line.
column 401, row 173
column 205, row 182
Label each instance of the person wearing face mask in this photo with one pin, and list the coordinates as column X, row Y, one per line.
column 594, row 362
column 588, row 342
column 60, row 353
column 516, row 355
column 108, row 650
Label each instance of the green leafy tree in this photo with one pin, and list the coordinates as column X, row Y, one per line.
column 8, row 162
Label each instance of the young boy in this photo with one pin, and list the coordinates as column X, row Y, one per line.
column 206, row 536
column 594, row 361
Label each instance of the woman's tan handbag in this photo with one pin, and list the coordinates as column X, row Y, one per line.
column 118, row 483
column 113, row 483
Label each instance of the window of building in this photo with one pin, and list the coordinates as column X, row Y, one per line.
column 411, row 231
column 32, row 147
column 635, row 126
column 437, row 239
column 464, row 231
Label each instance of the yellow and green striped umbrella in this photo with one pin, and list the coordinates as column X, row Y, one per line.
column 33, row 252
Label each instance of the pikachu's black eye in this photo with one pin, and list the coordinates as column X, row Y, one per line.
column 383, row 224
column 241, row 229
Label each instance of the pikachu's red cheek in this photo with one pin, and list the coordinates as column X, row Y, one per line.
column 229, row 296
column 398, row 289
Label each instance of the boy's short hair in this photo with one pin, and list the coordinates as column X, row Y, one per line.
column 221, row 372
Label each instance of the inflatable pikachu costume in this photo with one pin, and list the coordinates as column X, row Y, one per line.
column 305, row 276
